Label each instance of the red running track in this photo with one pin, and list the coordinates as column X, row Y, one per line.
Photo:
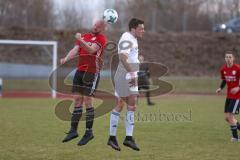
column 31, row 94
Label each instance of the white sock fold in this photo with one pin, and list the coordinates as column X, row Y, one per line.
column 129, row 123
column 114, row 118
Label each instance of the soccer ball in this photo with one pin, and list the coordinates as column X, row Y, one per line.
column 110, row 16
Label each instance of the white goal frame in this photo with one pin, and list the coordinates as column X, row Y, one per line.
column 54, row 57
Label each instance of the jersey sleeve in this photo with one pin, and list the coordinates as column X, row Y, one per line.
column 124, row 45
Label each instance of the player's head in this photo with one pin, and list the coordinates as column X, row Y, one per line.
column 141, row 58
column 99, row 26
column 229, row 58
column 136, row 26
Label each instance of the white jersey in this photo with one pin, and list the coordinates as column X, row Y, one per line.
column 128, row 45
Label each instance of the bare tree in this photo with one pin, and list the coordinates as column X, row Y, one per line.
column 71, row 18
column 176, row 15
column 26, row 13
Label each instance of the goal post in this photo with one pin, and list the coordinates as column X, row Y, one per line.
column 54, row 44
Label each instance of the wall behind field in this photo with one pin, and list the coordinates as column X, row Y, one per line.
column 188, row 54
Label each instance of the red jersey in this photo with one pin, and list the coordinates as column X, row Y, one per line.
column 91, row 62
column 231, row 76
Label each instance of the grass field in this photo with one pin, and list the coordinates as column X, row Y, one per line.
column 31, row 131
column 180, row 84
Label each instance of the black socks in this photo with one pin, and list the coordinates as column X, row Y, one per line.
column 89, row 118
column 76, row 115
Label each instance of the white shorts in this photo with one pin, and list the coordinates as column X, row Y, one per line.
column 122, row 86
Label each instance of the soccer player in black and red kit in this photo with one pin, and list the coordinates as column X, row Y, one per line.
column 230, row 75
column 89, row 48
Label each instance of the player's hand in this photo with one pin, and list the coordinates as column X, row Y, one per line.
column 62, row 60
column 132, row 76
column 78, row 36
column 235, row 90
column 133, row 82
column 218, row 91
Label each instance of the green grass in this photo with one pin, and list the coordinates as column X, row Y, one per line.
column 25, row 84
column 180, row 84
column 29, row 130
column 194, row 84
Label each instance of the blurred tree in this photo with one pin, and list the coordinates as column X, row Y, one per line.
column 159, row 15
column 179, row 15
column 26, row 13
column 71, row 18
column 234, row 7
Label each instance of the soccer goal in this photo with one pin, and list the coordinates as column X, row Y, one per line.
column 12, row 52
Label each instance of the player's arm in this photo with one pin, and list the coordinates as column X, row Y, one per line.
column 123, row 58
column 221, row 87
column 131, row 74
column 89, row 48
column 223, row 83
column 71, row 54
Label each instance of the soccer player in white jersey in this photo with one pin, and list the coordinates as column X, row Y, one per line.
column 125, row 79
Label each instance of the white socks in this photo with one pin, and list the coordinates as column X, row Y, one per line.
column 129, row 123
column 114, row 122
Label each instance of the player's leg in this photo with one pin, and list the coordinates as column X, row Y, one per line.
column 89, row 121
column 76, row 115
column 90, row 83
column 78, row 103
column 129, row 122
column 77, row 112
column 114, row 119
column 148, row 95
column 233, row 108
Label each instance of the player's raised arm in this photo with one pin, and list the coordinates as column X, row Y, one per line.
column 90, row 48
column 71, row 54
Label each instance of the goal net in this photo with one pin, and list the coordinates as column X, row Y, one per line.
column 25, row 67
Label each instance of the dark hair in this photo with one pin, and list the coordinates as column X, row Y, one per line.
column 232, row 52
column 134, row 22
column 229, row 52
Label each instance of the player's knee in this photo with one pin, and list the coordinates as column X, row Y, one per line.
column 132, row 101
column 88, row 101
column 131, row 108
column 232, row 119
column 120, row 105
column 78, row 101
column 118, row 108
column 226, row 119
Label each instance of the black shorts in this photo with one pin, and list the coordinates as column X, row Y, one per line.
column 143, row 83
column 85, row 83
column 232, row 106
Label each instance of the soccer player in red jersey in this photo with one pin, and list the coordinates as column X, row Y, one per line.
column 89, row 48
column 230, row 75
